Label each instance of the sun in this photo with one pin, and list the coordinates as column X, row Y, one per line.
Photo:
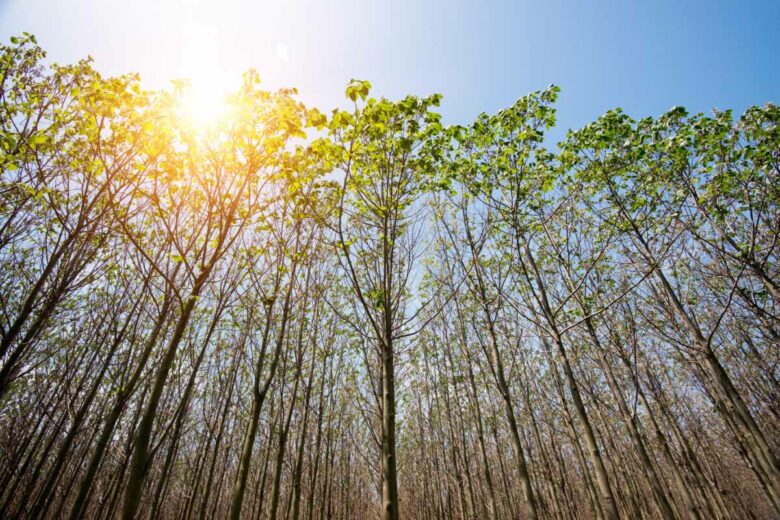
column 204, row 103
column 203, row 100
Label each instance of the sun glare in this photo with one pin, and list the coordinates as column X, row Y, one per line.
column 204, row 104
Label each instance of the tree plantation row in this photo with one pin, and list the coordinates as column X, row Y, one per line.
column 289, row 315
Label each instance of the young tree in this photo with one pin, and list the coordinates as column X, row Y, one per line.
column 384, row 154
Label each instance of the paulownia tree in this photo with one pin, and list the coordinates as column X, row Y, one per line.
column 384, row 153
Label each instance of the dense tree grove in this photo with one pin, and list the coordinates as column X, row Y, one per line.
column 367, row 314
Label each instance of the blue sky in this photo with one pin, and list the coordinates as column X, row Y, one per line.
column 643, row 56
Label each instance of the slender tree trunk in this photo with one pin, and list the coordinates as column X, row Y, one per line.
column 595, row 503
column 141, row 456
column 389, row 471
column 298, row 471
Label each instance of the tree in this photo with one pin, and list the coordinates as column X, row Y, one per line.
column 383, row 151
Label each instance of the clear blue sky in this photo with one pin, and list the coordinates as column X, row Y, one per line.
column 644, row 56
